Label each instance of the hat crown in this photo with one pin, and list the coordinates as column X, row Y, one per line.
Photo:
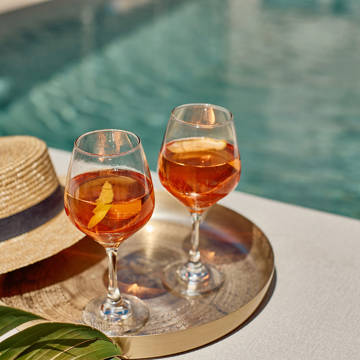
column 27, row 175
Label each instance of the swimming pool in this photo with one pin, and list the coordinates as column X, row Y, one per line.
column 288, row 70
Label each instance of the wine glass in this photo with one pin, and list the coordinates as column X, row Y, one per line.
column 109, row 196
column 199, row 163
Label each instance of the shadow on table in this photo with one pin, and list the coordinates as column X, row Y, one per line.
column 56, row 269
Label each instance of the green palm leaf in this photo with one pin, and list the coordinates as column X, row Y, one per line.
column 48, row 340
column 11, row 318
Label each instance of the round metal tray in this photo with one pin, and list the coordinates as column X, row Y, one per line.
column 59, row 287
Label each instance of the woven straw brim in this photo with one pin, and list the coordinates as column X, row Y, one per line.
column 27, row 175
column 44, row 241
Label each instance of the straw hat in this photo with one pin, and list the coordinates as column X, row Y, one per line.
column 33, row 223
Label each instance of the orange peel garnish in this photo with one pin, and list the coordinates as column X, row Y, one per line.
column 196, row 144
column 103, row 204
column 107, row 195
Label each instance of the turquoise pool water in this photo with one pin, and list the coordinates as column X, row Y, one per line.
column 287, row 69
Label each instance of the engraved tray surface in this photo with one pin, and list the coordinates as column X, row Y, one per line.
column 59, row 287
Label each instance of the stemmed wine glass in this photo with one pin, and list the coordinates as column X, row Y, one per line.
column 109, row 196
column 199, row 163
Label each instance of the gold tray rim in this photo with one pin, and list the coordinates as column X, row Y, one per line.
column 176, row 342
column 166, row 344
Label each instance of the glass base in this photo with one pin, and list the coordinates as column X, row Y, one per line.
column 192, row 279
column 116, row 320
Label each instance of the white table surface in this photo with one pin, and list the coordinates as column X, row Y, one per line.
column 314, row 310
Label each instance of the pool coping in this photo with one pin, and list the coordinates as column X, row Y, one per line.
column 7, row 6
column 11, row 5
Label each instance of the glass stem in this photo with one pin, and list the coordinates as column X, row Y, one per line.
column 113, row 294
column 194, row 253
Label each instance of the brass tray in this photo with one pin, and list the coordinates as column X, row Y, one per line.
column 59, row 287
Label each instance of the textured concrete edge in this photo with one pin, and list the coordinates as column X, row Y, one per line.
column 11, row 5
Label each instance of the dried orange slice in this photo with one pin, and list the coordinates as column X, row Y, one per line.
column 196, row 144
column 125, row 210
column 124, row 180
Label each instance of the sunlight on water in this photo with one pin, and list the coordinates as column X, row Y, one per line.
column 288, row 70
